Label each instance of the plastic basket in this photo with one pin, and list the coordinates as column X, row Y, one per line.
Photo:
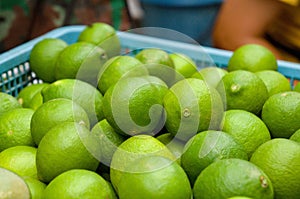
column 16, row 74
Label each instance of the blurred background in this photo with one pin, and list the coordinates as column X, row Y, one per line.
column 221, row 24
column 23, row 20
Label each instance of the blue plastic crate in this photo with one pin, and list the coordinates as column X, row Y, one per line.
column 16, row 74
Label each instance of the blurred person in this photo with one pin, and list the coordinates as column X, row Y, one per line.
column 23, row 20
column 274, row 24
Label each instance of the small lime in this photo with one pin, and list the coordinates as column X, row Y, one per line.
column 207, row 147
column 252, row 57
column 102, row 35
column 55, row 112
column 63, row 149
column 43, row 57
column 192, row 106
column 78, row 183
column 281, row 114
column 154, row 177
column 230, row 177
column 279, row 158
column 118, row 67
column 15, row 128
column 20, row 159
column 274, row 81
column 80, row 60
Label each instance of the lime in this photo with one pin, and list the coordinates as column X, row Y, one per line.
column 80, row 60
column 55, row 112
column 183, row 64
column 240, row 197
column 78, row 183
column 82, row 93
column 230, row 177
column 15, row 128
column 191, row 107
column 281, row 114
column 155, row 55
column 207, row 147
column 43, row 57
column 116, row 68
column 132, row 149
column 211, row 75
column 8, row 102
column 102, row 35
column 296, row 136
column 12, row 186
column 280, row 159
column 35, row 186
column 108, row 139
column 244, row 90
column 63, row 149
column 275, row 81
column 246, row 128
column 20, row 159
column 252, row 57
column 159, row 64
column 26, row 94
column 134, row 105
column 154, row 177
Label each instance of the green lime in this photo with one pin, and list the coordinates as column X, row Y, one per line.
column 78, row 183
column 80, row 60
column 108, row 139
column 35, row 186
column 230, row 177
column 154, row 177
column 132, row 149
column 102, row 35
column 8, row 102
column 12, row 186
column 296, row 136
column 246, row 128
column 279, row 158
column 134, row 105
column 26, row 94
column 252, row 57
column 20, row 159
column 82, row 93
column 183, row 64
column 118, row 67
column 15, row 128
column 275, row 81
column 281, row 114
column 158, row 63
column 43, row 57
column 207, row 147
column 244, row 90
column 55, row 112
column 211, row 75
column 62, row 149
column 192, row 106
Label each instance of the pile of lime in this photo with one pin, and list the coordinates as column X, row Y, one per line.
column 149, row 124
